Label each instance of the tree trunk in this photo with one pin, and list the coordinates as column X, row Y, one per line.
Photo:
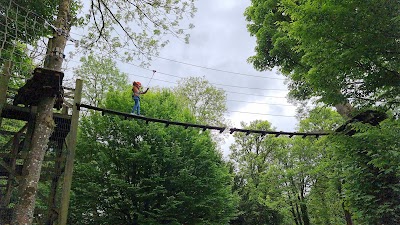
column 347, row 214
column 292, row 211
column 304, row 211
column 4, row 79
column 344, row 110
column 44, row 125
column 298, row 214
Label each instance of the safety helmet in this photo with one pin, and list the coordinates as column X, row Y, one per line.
column 138, row 83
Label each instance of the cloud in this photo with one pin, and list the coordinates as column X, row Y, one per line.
column 220, row 40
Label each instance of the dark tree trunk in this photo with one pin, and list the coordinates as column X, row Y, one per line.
column 304, row 213
column 347, row 215
column 293, row 214
column 298, row 215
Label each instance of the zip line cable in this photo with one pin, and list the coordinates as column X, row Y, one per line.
column 227, row 85
column 234, row 92
column 261, row 103
column 215, row 69
column 171, row 75
column 46, row 23
column 160, row 57
column 198, row 66
column 154, row 72
column 261, row 114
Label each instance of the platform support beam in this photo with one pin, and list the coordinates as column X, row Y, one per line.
column 71, row 146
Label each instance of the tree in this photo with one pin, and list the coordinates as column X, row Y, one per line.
column 337, row 51
column 204, row 100
column 325, row 200
column 44, row 126
column 252, row 156
column 290, row 176
column 100, row 75
column 33, row 29
column 146, row 25
column 105, row 14
column 370, row 170
column 130, row 172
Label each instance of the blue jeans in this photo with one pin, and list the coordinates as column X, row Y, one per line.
column 136, row 106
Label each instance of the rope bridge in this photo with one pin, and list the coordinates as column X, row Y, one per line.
column 203, row 127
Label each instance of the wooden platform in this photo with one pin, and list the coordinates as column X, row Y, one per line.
column 62, row 121
column 44, row 83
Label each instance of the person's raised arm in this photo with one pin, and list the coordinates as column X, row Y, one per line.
column 145, row 91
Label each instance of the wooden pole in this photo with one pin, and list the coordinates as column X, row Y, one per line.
column 71, row 146
column 4, row 79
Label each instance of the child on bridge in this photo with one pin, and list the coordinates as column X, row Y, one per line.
column 136, row 97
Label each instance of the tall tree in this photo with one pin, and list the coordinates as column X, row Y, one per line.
column 100, row 75
column 369, row 161
column 44, row 125
column 287, row 175
column 105, row 15
column 204, row 100
column 252, row 156
column 338, row 51
column 130, row 172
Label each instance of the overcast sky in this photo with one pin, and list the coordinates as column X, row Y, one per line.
column 220, row 40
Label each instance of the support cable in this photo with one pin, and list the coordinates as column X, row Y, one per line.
column 203, row 127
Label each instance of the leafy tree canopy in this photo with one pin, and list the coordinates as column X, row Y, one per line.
column 338, row 51
column 204, row 100
column 130, row 172
column 114, row 26
column 24, row 20
column 370, row 164
column 100, row 75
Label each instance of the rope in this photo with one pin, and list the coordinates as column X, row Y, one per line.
column 154, row 72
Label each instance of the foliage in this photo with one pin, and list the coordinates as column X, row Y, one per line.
column 204, row 100
column 341, row 51
column 22, row 65
column 114, row 25
column 337, row 51
column 371, row 171
column 33, row 29
column 288, row 176
column 128, row 172
column 251, row 157
column 100, row 75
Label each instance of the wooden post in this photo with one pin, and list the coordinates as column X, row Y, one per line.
column 4, row 79
column 69, row 164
